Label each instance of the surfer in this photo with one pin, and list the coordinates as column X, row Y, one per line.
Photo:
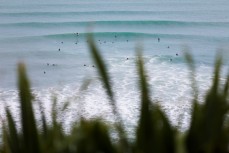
column 176, row 54
column 59, row 49
column 158, row 39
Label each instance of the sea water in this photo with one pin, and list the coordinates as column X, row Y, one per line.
column 50, row 37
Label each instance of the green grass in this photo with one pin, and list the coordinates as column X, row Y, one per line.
column 208, row 131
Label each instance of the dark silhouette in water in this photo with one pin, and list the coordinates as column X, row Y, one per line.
column 59, row 49
column 171, row 59
column 47, row 64
column 168, row 47
column 62, row 42
column 176, row 54
column 127, row 58
column 44, row 72
column 158, row 39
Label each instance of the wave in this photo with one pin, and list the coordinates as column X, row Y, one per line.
column 131, row 12
column 21, row 14
column 114, row 23
column 165, row 59
column 124, row 35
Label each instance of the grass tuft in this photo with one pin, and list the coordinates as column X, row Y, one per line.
column 208, row 131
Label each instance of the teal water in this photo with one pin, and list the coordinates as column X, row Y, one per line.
column 43, row 34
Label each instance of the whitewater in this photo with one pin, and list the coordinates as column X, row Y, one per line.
column 50, row 37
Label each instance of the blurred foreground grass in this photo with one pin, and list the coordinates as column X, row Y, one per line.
column 208, row 132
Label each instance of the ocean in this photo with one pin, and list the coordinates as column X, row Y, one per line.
column 50, row 37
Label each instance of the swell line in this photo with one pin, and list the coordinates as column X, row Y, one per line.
column 113, row 23
column 121, row 35
column 105, row 12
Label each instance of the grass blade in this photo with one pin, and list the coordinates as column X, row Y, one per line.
column 207, row 128
column 14, row 141
column 29, row 128
column 43, row 119
column 154, row 133
column 102, row 70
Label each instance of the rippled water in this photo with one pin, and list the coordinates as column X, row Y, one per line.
column 51, row 38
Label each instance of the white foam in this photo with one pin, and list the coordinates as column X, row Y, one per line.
column 169, row 83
